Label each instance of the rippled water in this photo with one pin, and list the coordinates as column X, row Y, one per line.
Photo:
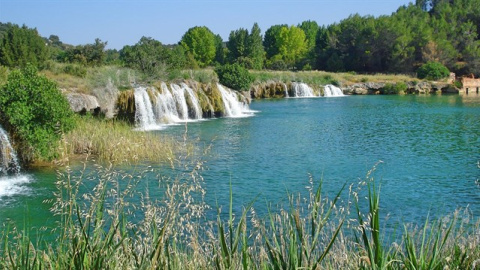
column 429, row 147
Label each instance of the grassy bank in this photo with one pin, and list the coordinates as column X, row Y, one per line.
column 117, row 142
column 104, row 229
column 81, row 79
column 323, row 77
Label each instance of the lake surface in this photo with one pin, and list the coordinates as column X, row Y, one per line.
column 428, row 148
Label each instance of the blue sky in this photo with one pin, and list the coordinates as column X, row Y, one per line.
column 124, row 22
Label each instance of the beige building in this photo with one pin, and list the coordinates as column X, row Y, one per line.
column 470, row 85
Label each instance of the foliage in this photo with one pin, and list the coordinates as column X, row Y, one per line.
column 255, row 47
column 285, row 44
column 145, row 56
column 234, row 76
column 237, row 44
column 396, row 88
column 200, row 42
column 270, row 41
column 22, row 45
column 292, row 44
column 36, row 112
column 432, row 71
column 246, row 48
column 152, row 58
column 88, row 55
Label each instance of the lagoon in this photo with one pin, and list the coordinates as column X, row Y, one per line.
column 426, row 150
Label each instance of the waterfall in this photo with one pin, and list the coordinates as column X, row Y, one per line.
column 285, row 88
column 11, row 181
column 174, row 104
column 178, row 103
column 144, row 116
column 197, row 110
column 166, row 106
column 9, row 159
column 233, row 108
column 302, row 90
column 182, row 107
column 332, row 91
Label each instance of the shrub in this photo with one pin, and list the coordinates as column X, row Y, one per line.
column 36, row 112
column 395, row 88
column 75, row 70
column 234, row 76
column 277, row 65
column 432, row 71
column 458, row 84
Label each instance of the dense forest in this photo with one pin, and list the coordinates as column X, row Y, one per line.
column 444, row 31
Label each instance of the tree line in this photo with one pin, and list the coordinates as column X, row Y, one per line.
column 443, row 31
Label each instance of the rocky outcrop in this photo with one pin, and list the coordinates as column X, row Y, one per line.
column 367, row 88
column 269, row 89
column 82, row 103
column 107, row 97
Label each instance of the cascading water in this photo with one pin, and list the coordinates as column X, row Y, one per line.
column 11, row 181
column 332, row 91
column 285, row 88
column 182, row 106
column 233, row 108
column 197, row 110
column 179, row 103
column 166, row 109
column 9, row 162
column 302, row 90
column 144, row 116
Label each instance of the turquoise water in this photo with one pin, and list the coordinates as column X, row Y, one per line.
column 428, row 148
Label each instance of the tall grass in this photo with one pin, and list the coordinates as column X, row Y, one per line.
column 116, row 142
column 323, row 77
column 107, row 221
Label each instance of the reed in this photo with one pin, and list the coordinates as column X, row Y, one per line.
column 116, row 142
column 106, row 221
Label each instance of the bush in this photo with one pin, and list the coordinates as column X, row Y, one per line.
column 397, row 88
column 277, row 65
column 75, row 70
column 234, row 76
column 432, row 71
column 36, row 112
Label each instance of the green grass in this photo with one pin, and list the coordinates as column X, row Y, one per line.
column 100, row 227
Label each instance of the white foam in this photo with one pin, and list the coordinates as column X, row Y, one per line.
column 14, row 184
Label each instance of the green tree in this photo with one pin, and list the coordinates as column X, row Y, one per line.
column 199, row 42
column 36, row 112
column 88, row 55
column 310, row 28
column 292, row 45
column 255, row 48
column 144, row 55
column 270, row 41
column 221, row 50
column 246, row 48
column 152, row 58
column 22, row 45
column 237, row 45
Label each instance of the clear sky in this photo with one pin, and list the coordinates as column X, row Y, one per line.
column 124, row 22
